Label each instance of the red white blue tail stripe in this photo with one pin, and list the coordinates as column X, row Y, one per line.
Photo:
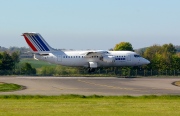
column 36, row 42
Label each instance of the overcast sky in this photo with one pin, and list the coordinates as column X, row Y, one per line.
column 91, row 24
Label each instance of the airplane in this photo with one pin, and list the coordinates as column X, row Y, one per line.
column 90, row 59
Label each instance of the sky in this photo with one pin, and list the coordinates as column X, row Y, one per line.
column 91, row 24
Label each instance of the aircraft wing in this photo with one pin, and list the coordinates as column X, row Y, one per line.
column 96, row 53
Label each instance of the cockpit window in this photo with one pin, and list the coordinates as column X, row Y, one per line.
column 136, row 56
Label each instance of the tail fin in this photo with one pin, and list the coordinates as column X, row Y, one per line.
column 37, row 43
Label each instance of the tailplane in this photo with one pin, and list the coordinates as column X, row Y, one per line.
column 37, row 43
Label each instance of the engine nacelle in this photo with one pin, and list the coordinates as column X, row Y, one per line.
column 108, row 59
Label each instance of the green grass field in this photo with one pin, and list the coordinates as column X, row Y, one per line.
column 74, row 105
column 36, row 63
column 4, row 87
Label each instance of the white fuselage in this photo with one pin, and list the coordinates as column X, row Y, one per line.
column 91, row 59
column 94, row 60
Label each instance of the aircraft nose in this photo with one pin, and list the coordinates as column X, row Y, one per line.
column 146, row 61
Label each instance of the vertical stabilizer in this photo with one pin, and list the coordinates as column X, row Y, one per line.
column 37, row 43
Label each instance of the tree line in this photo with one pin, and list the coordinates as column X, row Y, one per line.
column 9, row 64
column 163, row 58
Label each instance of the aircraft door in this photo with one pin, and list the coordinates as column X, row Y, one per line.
column 128, row 57
column 59, row 58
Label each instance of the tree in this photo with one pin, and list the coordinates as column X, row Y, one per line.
column 15, row 57
column 162, row 57
column 169, row 48
column 175, row 62
column 27, row 69
column 1, row 62
column 7, row 62
column 123, row 46
column 151, row 51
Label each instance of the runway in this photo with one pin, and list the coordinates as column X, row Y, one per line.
column 93, row 85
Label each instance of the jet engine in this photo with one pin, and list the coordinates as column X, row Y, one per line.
column 108, row 59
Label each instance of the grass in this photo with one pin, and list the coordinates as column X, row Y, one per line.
column 36, row 63
column 177, row 83
column 79, row 105
column 4, row 87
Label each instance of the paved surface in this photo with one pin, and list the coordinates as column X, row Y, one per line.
column 93, row 85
